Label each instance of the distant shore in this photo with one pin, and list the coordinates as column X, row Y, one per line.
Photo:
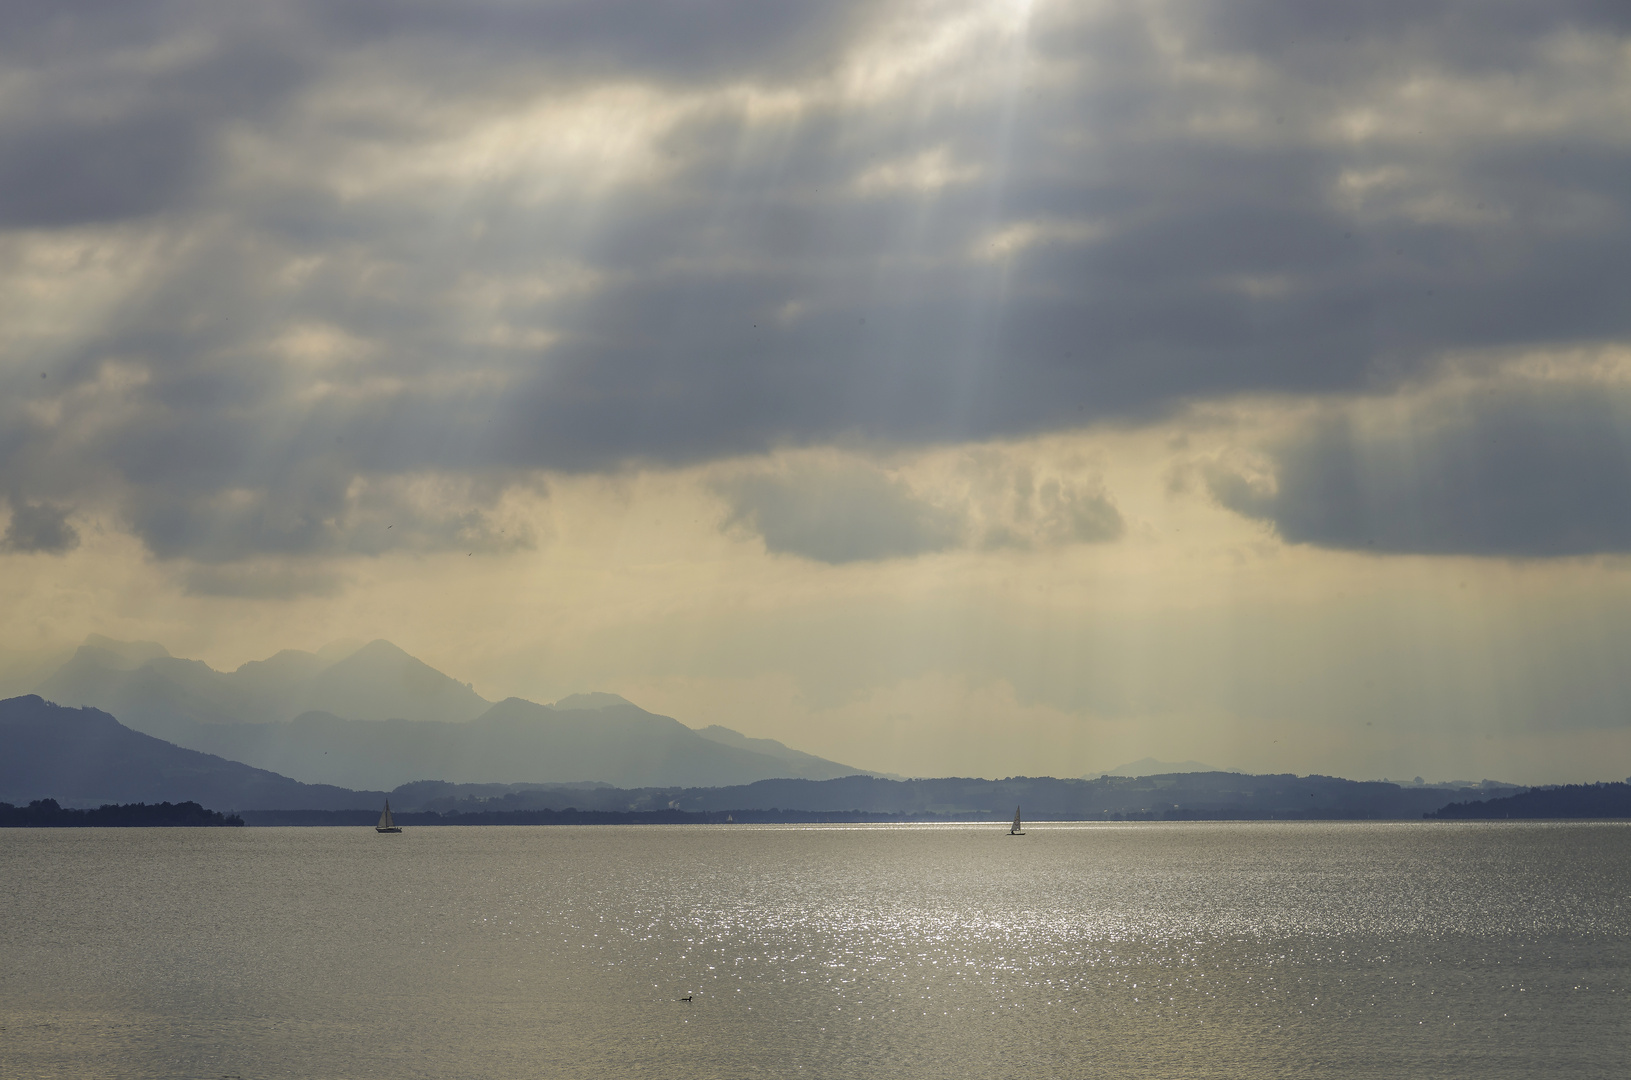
column 46, row 814
column 1608, row 801
column 1570, row 801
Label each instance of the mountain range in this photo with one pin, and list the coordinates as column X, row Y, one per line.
column 84, row 757
column 340, row 728
column 373, row 717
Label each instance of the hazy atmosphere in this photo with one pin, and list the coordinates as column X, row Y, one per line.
column 974, row 389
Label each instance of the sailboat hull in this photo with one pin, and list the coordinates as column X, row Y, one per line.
column 388, row 828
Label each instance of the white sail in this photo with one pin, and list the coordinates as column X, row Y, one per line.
column 385, row 821
column 1016, row 830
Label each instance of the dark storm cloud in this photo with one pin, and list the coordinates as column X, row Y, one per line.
column 698, row 39
column 1495, row 34
column 1536, row 469
column 693, row 39
column 112, row 110
column 39, row 527
column 1217, row 264
column 1133, row 208
column 96, row 171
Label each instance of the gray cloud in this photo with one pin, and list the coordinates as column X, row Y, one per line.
column 114, row 111
column 850, row 510
column 1011, row 506
column 39, row 527
column 95, row 171
column 838, row 514
column 326, row 512
column 703, row 39
column 1128, row 209
column 1063, row 515
column 1527, row 470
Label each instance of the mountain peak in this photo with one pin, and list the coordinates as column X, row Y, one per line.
column 381, row 681
column 335, row 651
column 379, row 649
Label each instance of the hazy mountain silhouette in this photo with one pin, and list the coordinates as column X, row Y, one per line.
column 806, row 766
column 1611, row 800
column 154, row 692
column 375, row 717
column 515, row 741
column 20, row 673
column 1151, row 767
column 86, row 757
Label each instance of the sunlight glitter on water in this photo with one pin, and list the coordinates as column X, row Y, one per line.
column 1215, row 950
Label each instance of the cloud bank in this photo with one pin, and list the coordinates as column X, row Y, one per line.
column 841, row 510
column 271, row 265
column 39, row 527
column 1508, row 468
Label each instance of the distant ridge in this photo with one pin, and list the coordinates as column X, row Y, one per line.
column 154, row 692
column 85, row 757
column 372, row 717
column 1611, row 800
column 1152, row 767
column 807, row 766
column 514, row 742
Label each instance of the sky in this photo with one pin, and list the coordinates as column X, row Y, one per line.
column 979, row 388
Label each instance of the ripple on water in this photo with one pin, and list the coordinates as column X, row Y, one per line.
column 1173, row 950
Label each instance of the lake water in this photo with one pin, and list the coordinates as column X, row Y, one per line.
column 1149, row 950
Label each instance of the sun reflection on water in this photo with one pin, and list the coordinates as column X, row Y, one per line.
column 1173, row 950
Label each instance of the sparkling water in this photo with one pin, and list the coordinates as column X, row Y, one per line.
column 1256, row 950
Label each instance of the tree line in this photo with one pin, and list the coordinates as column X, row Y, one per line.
column 47, row 814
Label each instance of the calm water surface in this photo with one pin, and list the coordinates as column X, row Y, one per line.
column 1207, row 950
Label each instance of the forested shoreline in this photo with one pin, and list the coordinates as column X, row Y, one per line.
column 47, row 814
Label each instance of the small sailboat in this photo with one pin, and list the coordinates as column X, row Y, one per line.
column 1017, row 829
column 387, row 825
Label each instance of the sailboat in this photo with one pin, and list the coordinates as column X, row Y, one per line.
column 387, row 825
column 1017, row 830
